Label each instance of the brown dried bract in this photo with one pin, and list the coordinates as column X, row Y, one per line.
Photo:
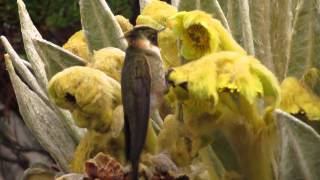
column 104, row 167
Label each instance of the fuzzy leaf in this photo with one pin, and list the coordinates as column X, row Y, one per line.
column 260, row 20
column 246, row 26
column 211, row 160
column 299, row 149
column 233, row 17
column 213, row 7
column 281, row 26
column 24, row 72
column 188, row 5
column 29, row 31
column 42, row 121
column 100, row 26
column 305, row 43
column 56, row 58
column 143, row 3
column 175, row 3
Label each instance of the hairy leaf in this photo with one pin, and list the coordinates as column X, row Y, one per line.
column 143, row 3
column 260, row 20
column 305, row 43
column 246, row 26
column 213, row 163
column 42, row 121
column 281, row 31
column 29, row 31
column 188, row 5
column 56, row 58
column 234, row 21
column 100, row 26
column 299, row 149
column 24, row 72
column 213, row 7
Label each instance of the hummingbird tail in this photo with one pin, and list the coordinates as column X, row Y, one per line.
column 135, row 170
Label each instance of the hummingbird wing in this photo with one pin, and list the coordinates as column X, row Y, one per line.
column 136, row 103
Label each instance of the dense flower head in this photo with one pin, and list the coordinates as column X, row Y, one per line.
column 109, row 60
column 200, row 35
column 156, row 14
column 124, row 23
column 299, row 99
column 77, row 45
column 89, row 94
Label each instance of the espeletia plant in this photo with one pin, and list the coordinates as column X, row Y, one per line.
column 243, row 98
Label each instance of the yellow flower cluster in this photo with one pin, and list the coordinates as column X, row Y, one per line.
column 200, row 34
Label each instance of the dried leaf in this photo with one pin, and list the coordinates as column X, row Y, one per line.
column 42, row 121
column 299, row 149
column 24, row 72
column 56, row 58
column 104, row 167
column 100, row 26
column 305, row 43
column 29, row 31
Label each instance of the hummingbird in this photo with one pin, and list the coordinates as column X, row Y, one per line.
column 143, row 85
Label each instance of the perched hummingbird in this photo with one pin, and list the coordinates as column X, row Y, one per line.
column 143, row 86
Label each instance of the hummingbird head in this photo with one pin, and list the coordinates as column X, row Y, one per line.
column 142, row 36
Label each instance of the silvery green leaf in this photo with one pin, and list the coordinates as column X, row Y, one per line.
column 212, row 162
column 299, row 150
column 100, row 26
column 29, row 31
column 305, row 41
column 143, row 3
column 234, row 21
column 24, row 72
column 260, row 22
column 247, row 35
column 175, row 3
column 281, row 31
column 42, row 121
column 188, row 5
column 224, row 151
column 56, row 58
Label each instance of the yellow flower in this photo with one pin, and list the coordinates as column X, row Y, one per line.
column 77, row 45
column 298, row 99
column 109, row 60
column 200, row 35
column 89, row 94
column 124, row 23
column 94, row 142
column 236, row 94
column 156, row 14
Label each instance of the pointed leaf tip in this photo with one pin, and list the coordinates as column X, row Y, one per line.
column 100, row 25
column 55, row 57
column 29, row 31
column 42, row 121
